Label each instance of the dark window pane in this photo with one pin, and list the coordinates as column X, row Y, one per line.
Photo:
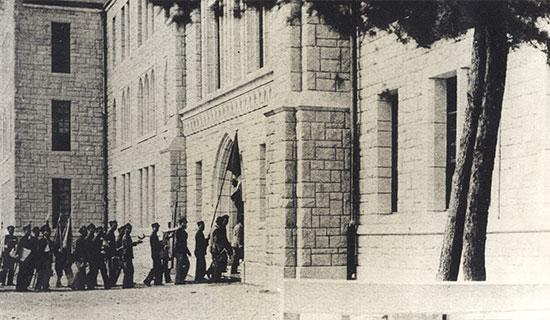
column 451, row 137
column 61, row 125
column 61, row 47
column 394, row 151
column 61, row 199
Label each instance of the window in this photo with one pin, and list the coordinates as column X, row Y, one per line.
column 128, row 33
column 61, row 199
column 115, row 124
column 151, row 116
column 451, row 137
column 261, row 28
column 114, row 44
column 198, row 187
column 122, row 33
column 61, row 125
column 61, row 47
column 393, row 100
column 263, row 171
column 139, row 21
column 146, row 107
column 140, row 108
column 218, row 49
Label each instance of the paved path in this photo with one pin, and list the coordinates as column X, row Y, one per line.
column 192, row 301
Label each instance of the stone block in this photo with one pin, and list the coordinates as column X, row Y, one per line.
column 321, row 242
column 321, row 259
column 325, row 153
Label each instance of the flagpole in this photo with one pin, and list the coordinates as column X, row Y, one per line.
column 218, row 202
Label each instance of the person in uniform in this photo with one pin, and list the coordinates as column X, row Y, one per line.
column 8, row 261
column 156, row 249
column 23, row 255
column 181, row 252
column 201, row 243
column 127, row 256
column 117, row 265
column 110, row 260
column 80, row 260
column 62, row 253
column 44, row 260
column 220, row 249
column 97, row 258
column 165, row 255
column 237, row 244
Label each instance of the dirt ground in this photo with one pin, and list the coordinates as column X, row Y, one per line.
column 189, row 301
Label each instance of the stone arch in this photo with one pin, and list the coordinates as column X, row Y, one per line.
column 221, row 183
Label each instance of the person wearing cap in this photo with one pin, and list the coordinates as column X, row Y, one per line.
column 201, row 243
column 181, row 252
column 117, row 266
column 238, row 245
column 156, row 249
column 62, row 252
column 97, row 253
column 127, row 256
column 8, row 262
column 110, row 252
column 44, row 259
column 220, row 248
column 166, row 255
column 80, row 260
column 24, row 255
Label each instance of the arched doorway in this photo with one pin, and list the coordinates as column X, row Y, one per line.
column 223, row 189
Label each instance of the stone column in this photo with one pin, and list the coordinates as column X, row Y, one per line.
column 281, row 193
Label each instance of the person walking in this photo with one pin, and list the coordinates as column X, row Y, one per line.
column 237, row 244
column 166, row 256
column 97, row 258
column 110, row 250
column 156, row 249
column 201, row 243
column 7, row 272
column 127, row 256
column 44, row 260
column 219, row 248
column 117, row 263
column 62, row 251
column 24, row 256
column 80, row 260
column 181, row 252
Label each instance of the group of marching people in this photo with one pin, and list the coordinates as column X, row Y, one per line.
column 110, row 253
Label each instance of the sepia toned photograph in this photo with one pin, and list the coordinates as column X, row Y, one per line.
column 275, row 159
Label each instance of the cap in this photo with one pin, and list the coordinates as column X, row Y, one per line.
column 155, row 225
column 182, row 220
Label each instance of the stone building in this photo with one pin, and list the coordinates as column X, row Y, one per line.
column 412, row 111
column 177, row 96
column 51, row 159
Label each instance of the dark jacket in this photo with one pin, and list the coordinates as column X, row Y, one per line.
column 180, row 244
column 80, row 254
column 10, row 242
column 127, row 249
column 156, row 245
column 111, row 242
column 44, row 253
column 200, row 244
column 219, row 241
column 29, row 243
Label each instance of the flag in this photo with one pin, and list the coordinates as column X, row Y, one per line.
column 234, row 166
column 67, row 236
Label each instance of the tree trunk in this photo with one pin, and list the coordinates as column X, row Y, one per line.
column 451, row 250
column 479, row 197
